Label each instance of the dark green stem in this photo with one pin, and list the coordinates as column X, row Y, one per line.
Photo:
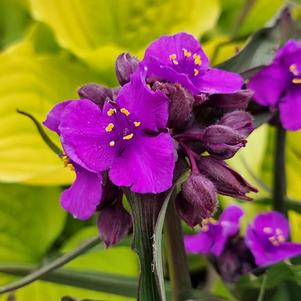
column 279, row 184
column 176, row 256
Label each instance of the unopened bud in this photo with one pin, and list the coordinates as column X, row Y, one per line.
column 96, row 93
column 226, row 180
column 200, row 200
column 180, row 103
column 125, row 66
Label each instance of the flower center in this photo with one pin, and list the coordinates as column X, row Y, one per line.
column 294, row 70
column 276, row 237
column 187, row 62
column 121, row 127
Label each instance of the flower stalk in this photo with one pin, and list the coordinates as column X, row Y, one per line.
column 279, row 184
column 176, row 256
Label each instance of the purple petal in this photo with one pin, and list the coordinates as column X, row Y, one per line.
column 146, row 165
column 174, row 44
column 84, row 138
column 290, row 47
column 232, row 214
column 54, row 117
column 220, row 81
column 290, row 109
column 149, row 107
column 268, row 85
column 82, row 198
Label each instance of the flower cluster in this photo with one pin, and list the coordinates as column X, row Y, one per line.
column 278, row 86
column 265, row 242
column 170, row 106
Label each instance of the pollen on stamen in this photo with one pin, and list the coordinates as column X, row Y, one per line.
column 112, row 143
column 128, row 137
column 109, row 127
column 173, row 57
column 125, row 111
column 137, row 123
column 293, row 69
column 197, row 59
column 186, row 52
column 281, row 238
column 111, row 112
column 296, row 81
column 195, row 72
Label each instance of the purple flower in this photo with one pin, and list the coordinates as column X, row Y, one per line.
column 180, row 59
column 126, row 137
column 215, row 234
column 279, row 85
column 267, row 237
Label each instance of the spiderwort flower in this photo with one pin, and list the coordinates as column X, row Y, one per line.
column 278, row 85
column 267, row 237
column 215, row 234
column 180, row 59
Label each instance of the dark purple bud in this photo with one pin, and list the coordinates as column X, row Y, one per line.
column 226, row 180
column 114, row 222
column 240, row 121
column 200, row 200
column 222, row 141
column 180, row 103
column 200, row 99
column 125, row 66
column 96, row 93
column 231, row 102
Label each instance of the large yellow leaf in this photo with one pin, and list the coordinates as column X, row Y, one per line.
column 33, row 82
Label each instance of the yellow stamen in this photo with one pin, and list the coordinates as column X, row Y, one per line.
column 197, row 59
column 125, row 111
column 205, row 221
column 195, row 72
column 112, row 143
column 172, row 56
column 67, row 163
column 296, row 81
column 137, row 123
column 128, row 137
column 111, row 112
column 186, row 52
column 109, row 127
column 175, row 62
column 293, row 69
column 267, row 230
column 281, row 238
column 213, row 221
column 205, row 228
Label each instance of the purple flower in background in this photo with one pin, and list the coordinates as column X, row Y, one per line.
column 215, row 234
column 279, row 85
column 180, row 59
column 267, row 237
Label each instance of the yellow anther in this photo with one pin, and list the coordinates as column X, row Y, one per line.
column 213, row 221
column 195, row 72
column 111, row 112
column 175, row 62
column 267, row 230
column 186, row 52
column 205, row 228
column 109, row 127
column 125, row 111
column 296, row 81
column 67, row 162
column 281, row 238
column 279, row 231
column 112, row 143
column 293, row 69
column 197, row 59
column 172, row 56
column 205, row 221
column 137, row 123
column 128, row 137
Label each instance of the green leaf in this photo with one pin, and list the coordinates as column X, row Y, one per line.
column 33, row 83
column 97, row 31
column 261, row 47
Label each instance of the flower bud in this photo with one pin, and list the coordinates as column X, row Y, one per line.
column 125, row 66
column 198, row 200
column 226, row 180
column 114, row 222
column 180, row 103
column 240, row 121
column 96, row 93
column 222, row 141
column 231, row 102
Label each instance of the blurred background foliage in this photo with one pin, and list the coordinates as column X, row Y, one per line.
column 48, row 49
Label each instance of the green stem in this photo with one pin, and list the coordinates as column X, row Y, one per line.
column 176, row 256
column 279, row 184
column 262, row 288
